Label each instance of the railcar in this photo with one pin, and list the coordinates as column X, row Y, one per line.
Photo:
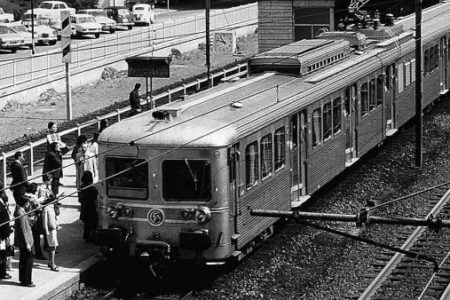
column 182, row 179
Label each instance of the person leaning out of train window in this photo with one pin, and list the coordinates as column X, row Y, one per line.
column 5, row 232
column 53, row 168
column 88, row 200
column 135, row 102
column 86, row 161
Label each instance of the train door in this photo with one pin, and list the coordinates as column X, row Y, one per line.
column 390, row 99
column 234, row 181
column 350, row 115
column 443, row 63
column 298, row 158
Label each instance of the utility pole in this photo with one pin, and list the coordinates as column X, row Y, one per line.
column 208, row 48
column 419, row 121
column 32, row 28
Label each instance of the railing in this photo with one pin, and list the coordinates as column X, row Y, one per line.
column 34, row 152
column 42, row 67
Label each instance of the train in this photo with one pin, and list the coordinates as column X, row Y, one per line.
column 181, row 180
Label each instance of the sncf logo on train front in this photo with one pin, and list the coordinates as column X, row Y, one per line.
column 156, row 217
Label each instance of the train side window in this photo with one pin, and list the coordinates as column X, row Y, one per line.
column 436, row 56
column 364, row 99
column 372, row 100
column 266, row 156
column 327, row 121
column 280, row 148
column 407, row 73
column 426, row 62
column 337, row 113
column 251, row 165
column 316, row 127
column 347, row 102
column 413, row 70
column 380, row 89
column 431, row 60
column 401, row 80
column 388, row 78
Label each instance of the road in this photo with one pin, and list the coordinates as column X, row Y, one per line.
column 161, row 16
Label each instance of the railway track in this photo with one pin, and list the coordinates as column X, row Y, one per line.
column 411, row 278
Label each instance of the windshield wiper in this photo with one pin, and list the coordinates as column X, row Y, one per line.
column 193, row 175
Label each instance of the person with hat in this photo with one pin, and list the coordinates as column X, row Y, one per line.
column 135, row 102
column 23, row 239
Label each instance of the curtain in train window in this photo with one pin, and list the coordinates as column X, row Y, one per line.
column 413, row 70
column 266, row 155
column 280, row 148
column 431, row 60
column 316, row 127
column 372, row 100
column 364, row 99
column 407, row 73
column 401, row 80
column 251, row 165
column 380, row 89
column 388, row 78
column 436, row 56
column 337, row 115
column 327, row 121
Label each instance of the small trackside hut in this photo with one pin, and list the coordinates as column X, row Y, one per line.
column 183, row 178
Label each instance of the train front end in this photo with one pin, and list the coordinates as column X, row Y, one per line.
column 164, row 197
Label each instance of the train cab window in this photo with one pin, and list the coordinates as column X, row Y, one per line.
column 132, row 184
column 327, row 121
column 337, row 113
column 364, row 99
column 372, row 100
column 380, row 89
column 251, row 165
column 266, row 156
column 316, row 127
column 280, row 148
column 186, row 180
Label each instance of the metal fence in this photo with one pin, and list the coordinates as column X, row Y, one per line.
column 34, row 152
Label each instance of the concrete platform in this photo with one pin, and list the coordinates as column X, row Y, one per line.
column 74, row 254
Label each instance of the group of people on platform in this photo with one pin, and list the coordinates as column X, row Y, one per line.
column 37, row 206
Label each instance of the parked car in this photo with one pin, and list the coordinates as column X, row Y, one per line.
column 121, row 15
column 85, row 24
column 41, row 16
column 9, row 39
column 21, row 30
column 143, row 14
column 101, row 18
column 55, row 8
column 4, row 17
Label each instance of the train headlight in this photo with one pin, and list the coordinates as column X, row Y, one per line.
column 114, row 211
column 186, row 214
column 202, row 215
column 127, row 212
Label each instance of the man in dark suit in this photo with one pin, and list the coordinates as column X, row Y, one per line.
column 54, row 166
column 23, row 239
column 19, row 175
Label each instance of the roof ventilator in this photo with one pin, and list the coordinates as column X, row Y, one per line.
column 166, row 114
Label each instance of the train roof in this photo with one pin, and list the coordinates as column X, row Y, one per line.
column 220, row 116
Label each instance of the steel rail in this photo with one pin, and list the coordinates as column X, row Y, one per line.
column 390, row 266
